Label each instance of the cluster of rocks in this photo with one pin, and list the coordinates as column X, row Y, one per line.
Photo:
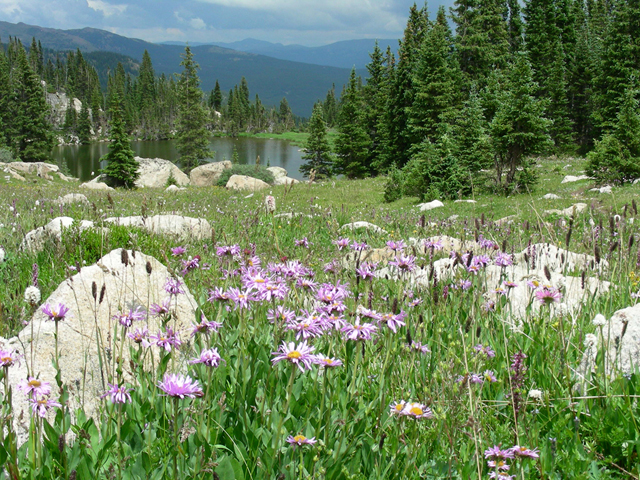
column 17, row 170
column 157, row 172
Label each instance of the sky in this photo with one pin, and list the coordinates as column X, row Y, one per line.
column 304, row 22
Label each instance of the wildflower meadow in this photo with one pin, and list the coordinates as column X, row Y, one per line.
column 447, row 344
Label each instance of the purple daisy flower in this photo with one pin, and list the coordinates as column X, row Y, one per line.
column 118, row 394
column 55, row 313
column 367, row 270
column 177, row 251
column 8, row 359
column 167, row 340
column 495, row 453
column 394, row 321
column 503, row 260
column 341, row 243
column 304, row 242
column 359, row 332
column 160, row 310
column 300, row 440
column 396, row 246
column 180, row 386
column 359, row 247
column 281, row 314
column 206, row 326
column 127, row 319
column 139, row 335
column 416, row 410
column 240, row 298
column 173, row 286
column 306, row 327
column 404, row 263
column 523, row 452
column 32, row 386
column 327, row 362
column 210, row 358
column 40, row 406
column 548, row 295
column 300, row 355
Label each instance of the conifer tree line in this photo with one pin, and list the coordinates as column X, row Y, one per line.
column 149, row 104
column 553, row 77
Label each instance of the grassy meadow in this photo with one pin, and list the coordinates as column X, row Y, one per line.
column 430, row 385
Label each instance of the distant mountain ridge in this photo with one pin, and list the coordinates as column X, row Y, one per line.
column 271, row 78
column 343, row 54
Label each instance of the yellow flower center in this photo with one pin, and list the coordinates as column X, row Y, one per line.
column 416, row 411
column 34, row 383
column 295, row 354
column 328, row 361
column 299, row 438
column 6, row 359
column 42, row 401
column 260, row 280
column 399, row 407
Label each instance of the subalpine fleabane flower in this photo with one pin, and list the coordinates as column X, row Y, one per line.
column 300, row 440
column 35, row 387
column 300, row 355
column 118, row 394
column 55, row 313
column 210, row 358
column 180, row 386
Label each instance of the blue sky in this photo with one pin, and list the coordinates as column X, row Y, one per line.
column 305, row 22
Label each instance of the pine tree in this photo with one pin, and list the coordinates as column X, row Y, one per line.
column 352, row 144
column 285, row 115
column 122, row 168
column 436, row 83
column 519, row 127
column 472, row 143
column 216, row 102
column 316, row 150
column 70, row 120
column 31, row 137
column 192, row 138
column 84, row 124
column 375, row 95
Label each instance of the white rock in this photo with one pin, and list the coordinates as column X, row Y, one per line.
column 365, row 225
column 464, row 201
column 155, row 172
column 573, row 178
column 551, row 196
column 207, row 175
column 92, row 185
column 505, row 220
column 425, row 207
column 37, row 168
column 35, row 240
column 243, row 182
column 605, row 189
column 88, row 325
column 174, row 189
column 285, row 181
column 567, row 212
column 71, row 198
column 182, row 227
column 279, row 173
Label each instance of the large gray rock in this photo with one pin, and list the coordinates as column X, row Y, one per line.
column 285, row 181
column 207, row 175
column 573, row 178
column 71, row 198
column 243, row 182
column 89, row 336
column 279, row 174
column 155, row 172
column 94, row 185
column 40, row 169
column 365, row 225
column 425, row 207
column 182, row 227
column 569, row 211
column 35, row 240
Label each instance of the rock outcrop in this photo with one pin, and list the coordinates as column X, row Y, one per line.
column 177, row 225
column 242, row 182
column 90, row 341
column 280, row 176
column 207, row 175
column 155, row 172
column 35, row 240
column 425, row 207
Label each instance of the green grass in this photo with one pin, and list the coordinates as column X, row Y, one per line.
column 251, row 406
column 296, row 138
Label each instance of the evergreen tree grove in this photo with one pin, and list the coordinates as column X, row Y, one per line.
column 192, row 137
column 316, row 150
column 122, row 168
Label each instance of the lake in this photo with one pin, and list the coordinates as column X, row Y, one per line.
column 83, row 161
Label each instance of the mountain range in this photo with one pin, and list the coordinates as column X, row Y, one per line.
column 344, row 54
column 272, row 78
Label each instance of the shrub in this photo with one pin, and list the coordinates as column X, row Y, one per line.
column 255, row 171
column 6, row 155
column 611, row 162
column 394, row 187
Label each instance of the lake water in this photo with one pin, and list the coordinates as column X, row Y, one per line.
column 83, row 161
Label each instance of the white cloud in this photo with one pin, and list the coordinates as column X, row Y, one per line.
column 107, row 9
column 197, row 23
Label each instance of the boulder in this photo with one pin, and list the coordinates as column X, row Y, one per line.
column 71, row 198
column 364, row 225
column 65, row 178
column 207, row 175
column 551, row 196
column 573, row 178
column 155, row 172
column 505, row 220
column 174, row 189
column 605, row 189
column 569, row 211
column 285, row 181
column 182, row 227
column 90, row 339
column 465, row 201
column 279, row 174
column 92, row 185
column 243, row 182
column 35, row 240
column 619, row 338
column 425, row 207
column 40, row 169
